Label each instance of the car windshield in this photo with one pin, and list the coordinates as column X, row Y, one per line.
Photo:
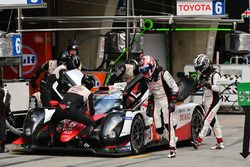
column 104, row 102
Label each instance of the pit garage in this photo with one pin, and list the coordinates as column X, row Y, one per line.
column 109, row 33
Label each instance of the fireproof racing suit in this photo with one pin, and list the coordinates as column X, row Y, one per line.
column 163, row 88
column 211, row 101
column 77, row 100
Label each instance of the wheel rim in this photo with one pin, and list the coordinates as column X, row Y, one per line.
column 196, row 124
column 137, row 135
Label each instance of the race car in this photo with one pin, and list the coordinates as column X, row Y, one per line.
column 123, row 122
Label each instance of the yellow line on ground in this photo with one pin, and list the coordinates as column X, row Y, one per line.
column 139, row 156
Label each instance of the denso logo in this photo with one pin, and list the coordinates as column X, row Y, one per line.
column 195, row 7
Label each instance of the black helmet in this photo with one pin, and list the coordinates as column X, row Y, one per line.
column 62, row 57
column 73, row 46
column 72, row 62
column 88, row 81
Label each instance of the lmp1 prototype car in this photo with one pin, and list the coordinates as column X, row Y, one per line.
column 123, row 122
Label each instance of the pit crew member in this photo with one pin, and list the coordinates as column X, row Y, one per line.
column 49, row 67
column 4, row 113
column 47, row 92
column 209, row 79
column 164, row 90
column 77, row 100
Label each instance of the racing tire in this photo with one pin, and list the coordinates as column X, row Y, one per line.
column 196, row 124
column 137, row 135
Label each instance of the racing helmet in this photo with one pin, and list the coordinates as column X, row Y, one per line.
column 72, row 62
column 88, row 81
column 73, row 46
column 62, row 57
column 201, row 63
column 147, row 66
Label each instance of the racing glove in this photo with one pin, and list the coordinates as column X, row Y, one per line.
column 204, row 84
column 172, row 103
column 33, row 81
column 33, row 84
column 207, row 85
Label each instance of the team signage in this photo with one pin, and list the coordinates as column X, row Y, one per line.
column 29, row 60
column 20, row 2
column 243, row 94
column 202, row 7
column 16, row 44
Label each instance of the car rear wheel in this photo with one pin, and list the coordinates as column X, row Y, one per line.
column 137, row 135
column 196, row 123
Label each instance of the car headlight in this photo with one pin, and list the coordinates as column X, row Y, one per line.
column 112, row 126
column 33, row 118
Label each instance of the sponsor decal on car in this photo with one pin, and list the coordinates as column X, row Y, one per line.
column 185, row 116
column 124, row 149
column 128, row 118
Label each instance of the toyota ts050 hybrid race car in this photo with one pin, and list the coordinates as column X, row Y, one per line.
column 124, row 122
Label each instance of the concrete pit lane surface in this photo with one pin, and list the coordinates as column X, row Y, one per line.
column 232, row 128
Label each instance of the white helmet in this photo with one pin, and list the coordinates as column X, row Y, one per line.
column 147, row 65
column 201, row 63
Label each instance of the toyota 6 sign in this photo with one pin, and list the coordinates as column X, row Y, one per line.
column 205, row 7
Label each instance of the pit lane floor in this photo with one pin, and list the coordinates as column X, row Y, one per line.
column 232, row 128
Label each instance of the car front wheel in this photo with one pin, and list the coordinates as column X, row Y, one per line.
column 137, row 135
column 196, row 123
